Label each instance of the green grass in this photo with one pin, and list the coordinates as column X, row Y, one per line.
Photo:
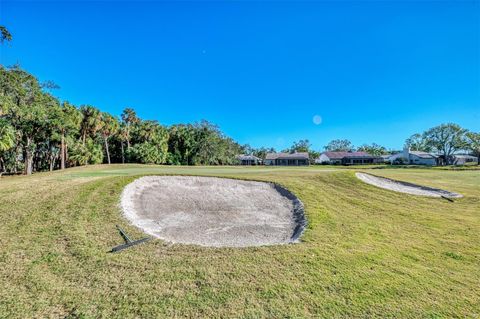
column 367, row 252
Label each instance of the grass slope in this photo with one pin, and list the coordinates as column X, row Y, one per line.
column 368, row 252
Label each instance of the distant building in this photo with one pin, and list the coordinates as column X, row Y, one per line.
column 458, row 160
column 461, row 159
column 248, row 160
column 386, row 158
column 348, row 158
column 287, row 159
column 414, row 158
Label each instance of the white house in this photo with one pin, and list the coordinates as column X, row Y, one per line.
column 414, row 158
column 348, row 158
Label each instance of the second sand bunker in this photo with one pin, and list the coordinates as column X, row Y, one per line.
column 404, row 187
column 211, row 211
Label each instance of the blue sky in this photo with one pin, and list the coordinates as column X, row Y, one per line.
column 373, row 71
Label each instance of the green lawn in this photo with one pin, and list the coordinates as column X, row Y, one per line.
column 367, row 252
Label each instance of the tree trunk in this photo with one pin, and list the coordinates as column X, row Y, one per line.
column 15, row 162
column 123, row 153
column 66, row 154
column 52, row 162
column 2, row 166
column 28, row 158
column 106, row 149
column 62, row 152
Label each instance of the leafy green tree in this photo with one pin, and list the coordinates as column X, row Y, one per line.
column 373, row 149
column 181, row 144
column 5, row 35
column 262, row 152
column 473, row 143
column 212, row 147
column 446, row 139
column 146, row 153
column 300, row 146
column 8, row 82
column 339, row 146
column 303, row 146
column 70, row 124
column 152, row 136
column 7, row 141
column 418, row 142
column 48, row 139
column 28, row 111
column 247, row 149
column 86, row 153
column 7, row 136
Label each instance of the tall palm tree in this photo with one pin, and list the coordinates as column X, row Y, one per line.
column 129, row 119
column 123, row 134
column 109, row 127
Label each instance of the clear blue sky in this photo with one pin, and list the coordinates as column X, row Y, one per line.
column 375, row 71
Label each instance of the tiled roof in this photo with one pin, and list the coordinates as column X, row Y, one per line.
column 300, row 155
column 422, row 154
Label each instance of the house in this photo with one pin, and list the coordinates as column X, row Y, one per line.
column 248, row 160
column 462, row 159
column 413, row 158
column 386, row 158
column 287, row 159
column 348, row 158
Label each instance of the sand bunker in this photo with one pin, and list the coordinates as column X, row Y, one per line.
column 404, row 187
column 211, row 211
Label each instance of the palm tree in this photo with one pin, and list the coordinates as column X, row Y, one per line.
column 123, row 134
column 90, row 123
column 129, row 119
column 108, row 128
column 147, row 130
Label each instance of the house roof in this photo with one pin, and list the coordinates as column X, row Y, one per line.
column 243, row 157
column 300, row 155
column 422, row 154
column 340, row 155
column 465, row 156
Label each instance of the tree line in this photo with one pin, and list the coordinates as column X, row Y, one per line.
column 38, row 133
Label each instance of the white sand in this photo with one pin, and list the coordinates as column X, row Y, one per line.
column 212, row 211
column 404, row 187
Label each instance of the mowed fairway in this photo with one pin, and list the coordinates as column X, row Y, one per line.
column 367, row 252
